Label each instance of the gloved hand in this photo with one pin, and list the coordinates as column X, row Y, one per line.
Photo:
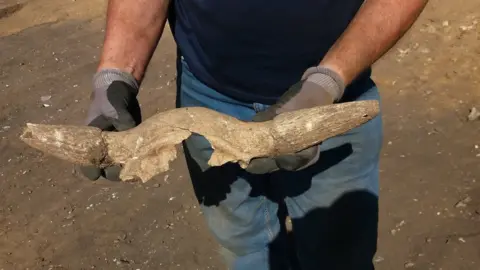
column 114, row 107
column 318, row 86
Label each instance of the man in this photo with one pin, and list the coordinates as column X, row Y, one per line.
column 253, row 60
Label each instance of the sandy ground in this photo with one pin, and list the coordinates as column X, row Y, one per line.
column 51, row 219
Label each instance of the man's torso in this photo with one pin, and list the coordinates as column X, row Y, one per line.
column 254, row 50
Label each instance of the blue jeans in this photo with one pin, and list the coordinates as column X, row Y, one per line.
column 333, row 205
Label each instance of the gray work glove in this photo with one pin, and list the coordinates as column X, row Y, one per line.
column 114, row 107
column 319, row 86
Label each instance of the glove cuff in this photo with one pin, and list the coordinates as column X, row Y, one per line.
column 332, row 82
column 103, row 78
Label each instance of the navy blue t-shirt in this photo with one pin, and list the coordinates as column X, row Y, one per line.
column 254, row 50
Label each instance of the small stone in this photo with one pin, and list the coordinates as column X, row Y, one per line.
column 121, row 238
column 446, row 23
column 462, row 240
column 45, row 98
column 402, row 53
column 463, row 202
column 379, row 259
column 409, row 265
column 401, row 223
column 157, row 185
column 474, row 114
column 460, row 205
column 6, row 127
column 466, row 28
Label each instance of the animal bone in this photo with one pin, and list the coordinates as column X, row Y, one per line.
column 147, row 149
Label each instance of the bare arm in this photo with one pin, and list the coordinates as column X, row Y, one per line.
column 134, row 28
column 378, row 25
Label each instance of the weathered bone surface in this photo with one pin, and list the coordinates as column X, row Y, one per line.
column 146, row 150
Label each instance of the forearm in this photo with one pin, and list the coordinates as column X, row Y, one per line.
column 133, row 30
column 378, row 25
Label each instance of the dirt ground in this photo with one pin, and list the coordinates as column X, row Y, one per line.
column 51, row 219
